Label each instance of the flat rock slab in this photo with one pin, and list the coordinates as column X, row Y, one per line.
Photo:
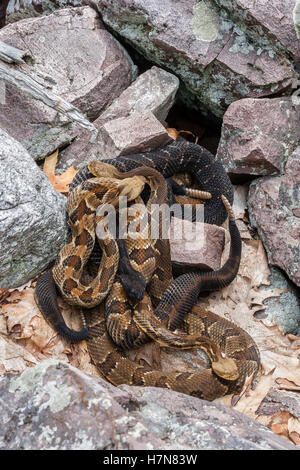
column 30, row 209
column 153, row 91
column 55, row 406
column 258, row 136
column 274, row 207
column 196, row 243
column 139, row 132
column 217, row 61
column 89, row 71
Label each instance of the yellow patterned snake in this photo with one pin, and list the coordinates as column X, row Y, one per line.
column 234, row 355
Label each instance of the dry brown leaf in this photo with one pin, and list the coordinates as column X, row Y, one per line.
column 59, row 182
column 294, row 430
column 279, row 423
column 173, row 132
column 295, row 437
column 30, row 338
column 149, row 354
column 4, row 293
column 14, row 358
column 284, row 384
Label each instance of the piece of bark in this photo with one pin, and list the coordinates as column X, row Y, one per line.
column 12, row 55
column 32, row 88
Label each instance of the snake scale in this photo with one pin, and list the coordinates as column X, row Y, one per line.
column 233, row 353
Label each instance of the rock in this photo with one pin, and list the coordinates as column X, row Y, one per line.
column 29, row 209
column 90, row 71
column 258, row 136
column 284, row 309
column 153, row 91
column 55, row 406
column 296, row 18
column 196, row 243
column 274, row 207
column 138, row 132
column 267, row 20
column 218, row 60
column 279, row 401
column 17, row 10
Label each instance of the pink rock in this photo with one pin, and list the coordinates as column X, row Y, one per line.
column 77, row 411
column 196, row 243
column 153, row 91
column 78, row 59
column 139, row 132
column 258, row 135
column 269, row 19
column 218, row 60
column 274, row 206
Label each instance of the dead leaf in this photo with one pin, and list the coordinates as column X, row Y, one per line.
column 295, row 437
column 4, row 293
column 173, row 132
column 284, row 384
column 59, row 182
column 279, row 423
column 27, row 338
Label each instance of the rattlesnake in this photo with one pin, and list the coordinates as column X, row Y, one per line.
column 233, row 353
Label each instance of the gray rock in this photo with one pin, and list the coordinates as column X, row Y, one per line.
column 18, row 10
column 219, row 60
column 153, row 91
column 284, row 309
column 55, row 406
column 258, row 136
column 32, row 216
column 89, row 71
column 274, row 208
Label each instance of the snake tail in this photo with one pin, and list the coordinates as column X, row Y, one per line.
column 46, row 299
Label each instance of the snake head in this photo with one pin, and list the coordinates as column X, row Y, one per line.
column 131, row 187
column 134, row 285
column 226, row 368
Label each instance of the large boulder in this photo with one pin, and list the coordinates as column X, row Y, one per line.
column 89, row 71
column 32, row 216
column 55, row 406
column 258, row 136
column 218, row 58
column 274, row 207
